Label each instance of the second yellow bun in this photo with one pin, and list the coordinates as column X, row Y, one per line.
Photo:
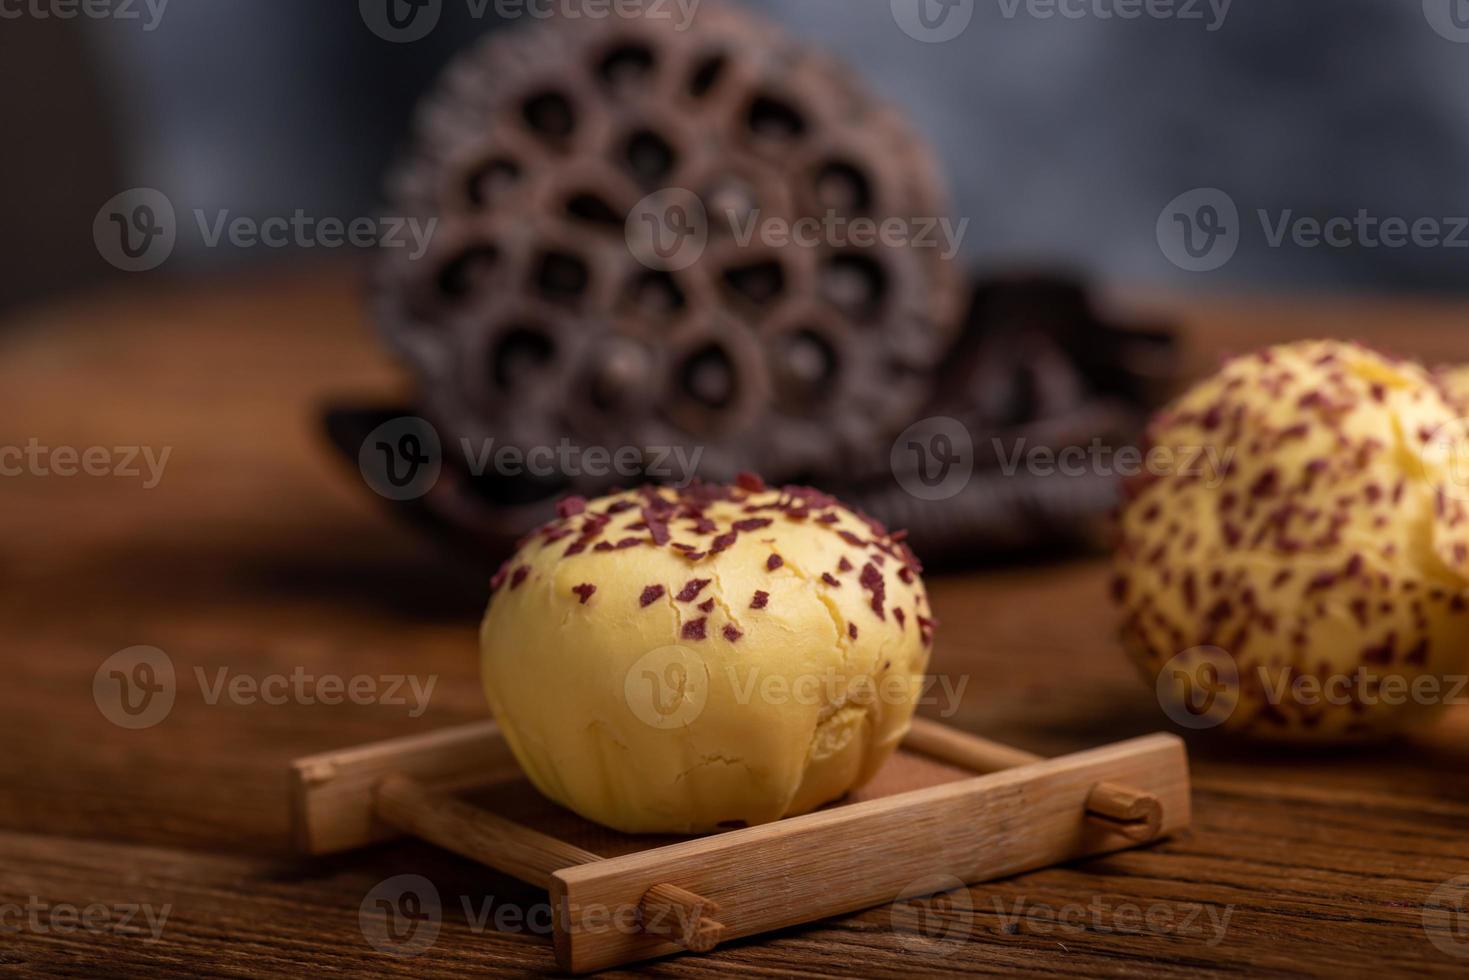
column 1314, row 532
column 1455, row 384
column 682, row 661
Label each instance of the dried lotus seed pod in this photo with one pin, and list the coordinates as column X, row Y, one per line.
column 529, row 319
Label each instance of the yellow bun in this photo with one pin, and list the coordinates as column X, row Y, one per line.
column 1312, row 527
column 678, row 661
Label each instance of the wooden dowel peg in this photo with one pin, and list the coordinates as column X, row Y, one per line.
column 1133, row 814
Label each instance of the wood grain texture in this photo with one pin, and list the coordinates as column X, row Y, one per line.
column 872, row 853
column 668, row 910
column 258, row 554
column 332, row 793
column 965, row 831
column 474, row 832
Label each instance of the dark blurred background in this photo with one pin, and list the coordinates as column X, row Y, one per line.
column 1063, row 137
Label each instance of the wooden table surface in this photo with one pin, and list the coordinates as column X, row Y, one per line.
column 259, row 554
